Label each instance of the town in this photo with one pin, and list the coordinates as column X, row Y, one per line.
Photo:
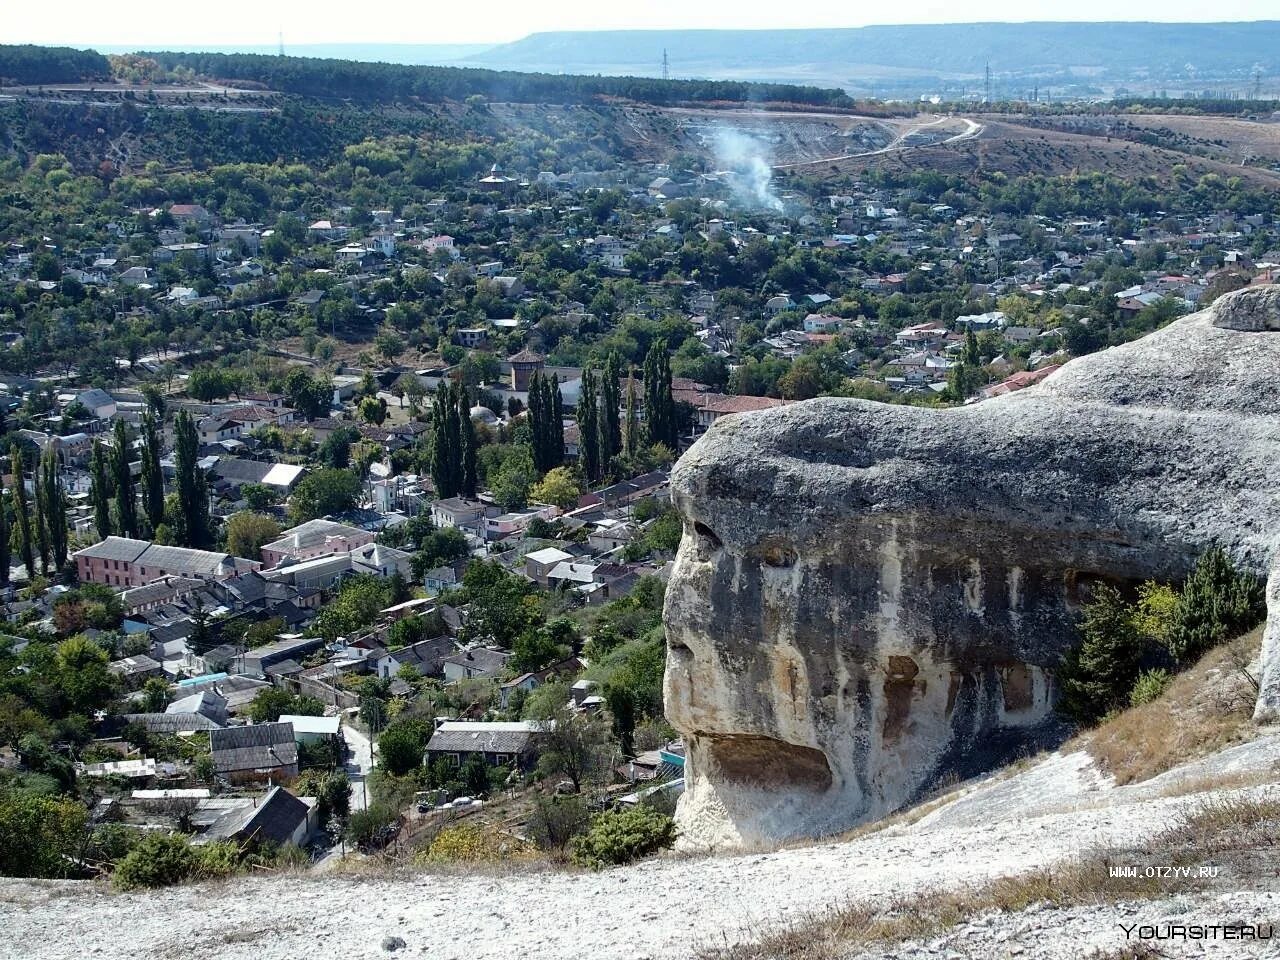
column 336, row 520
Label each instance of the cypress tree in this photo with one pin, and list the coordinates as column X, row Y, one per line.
column 610, row 404
column 191, row 524
column 152, row 476
column 126, row 499
column 659, row 406
column 555, row 452
column 5, row 557
column 631, row 425
column 100, row 491
column 20, row 512
column 538, row 422
column 589, row 426
column 467, row 446
column 40, row 524
column 446, row 461
column 55, row 508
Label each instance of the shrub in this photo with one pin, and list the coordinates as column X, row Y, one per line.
column 556, row 821
column 216, row 860
column 158, row 860
column 1151, row 683
column 466, row 843
column 371, row 827
column 622, row 836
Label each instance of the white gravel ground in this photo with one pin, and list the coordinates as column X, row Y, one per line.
column 664, row 908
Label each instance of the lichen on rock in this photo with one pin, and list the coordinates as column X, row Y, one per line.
column 868, row 597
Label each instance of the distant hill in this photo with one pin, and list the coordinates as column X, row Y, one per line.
column 1188, row 54
column 404, row 53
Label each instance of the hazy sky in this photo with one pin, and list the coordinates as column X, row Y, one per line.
column 155, row 23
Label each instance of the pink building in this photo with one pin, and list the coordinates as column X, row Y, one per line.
column 124, row 562
column 315, row 538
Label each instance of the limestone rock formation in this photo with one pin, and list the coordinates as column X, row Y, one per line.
column 868, row 596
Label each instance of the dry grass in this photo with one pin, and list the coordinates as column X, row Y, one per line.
column 1205, row 709
column 921, row 916
column 1240, row 833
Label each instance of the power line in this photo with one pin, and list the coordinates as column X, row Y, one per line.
column 666, row 70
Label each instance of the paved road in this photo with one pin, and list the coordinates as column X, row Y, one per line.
column 359, row 763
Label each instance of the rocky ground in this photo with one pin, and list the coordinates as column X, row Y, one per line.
column 673, row 907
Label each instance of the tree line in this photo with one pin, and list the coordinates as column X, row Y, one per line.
column 349, row 79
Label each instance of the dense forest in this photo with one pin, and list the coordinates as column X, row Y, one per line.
column 31, row 64
column 349, row 79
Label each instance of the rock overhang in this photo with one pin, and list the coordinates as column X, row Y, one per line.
column 915, row 573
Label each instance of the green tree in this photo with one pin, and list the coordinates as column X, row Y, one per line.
column 6, row 556
column 659, row 405
column 100, row 491
column 323, row 492
column 54, row 507
column 1097, row 676
column 632, row 440
column 400, row 749
column 122, row 477
column 248, row 532
column 610, row 409
column 446, row 443
column 467, row 479
column 191, row 519
column 85, row 681
column 152, row 474
column 589, row 426
column 155, row 695
column 40, row 836
column 558, row 487
column 1216, row 603
column 20, row 511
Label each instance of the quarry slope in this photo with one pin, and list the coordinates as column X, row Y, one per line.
column 671, row 907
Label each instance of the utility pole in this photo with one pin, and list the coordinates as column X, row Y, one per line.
column 1257, row 83
column 987, row 83
column 666, row 67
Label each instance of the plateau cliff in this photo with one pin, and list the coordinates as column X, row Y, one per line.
column 868, row 598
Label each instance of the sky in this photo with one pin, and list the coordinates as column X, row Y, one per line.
column 159, row 23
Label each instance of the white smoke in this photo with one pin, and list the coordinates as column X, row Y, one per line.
column 745, row 157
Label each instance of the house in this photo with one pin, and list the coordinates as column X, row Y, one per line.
column 460, row 513
column 426, row 658
column 206, row 703
column 471, row 337
column 235, row 473
column 133, row 671
column 256, row 661
column 384, row 561
column 476, row 663
column 261, row 751
column 315, row 538
column 313, row 729
column 191, row 213
column 125, row 562
column 280, row 819
column 610, row 534
column 821, row 323
column 98, row 402
column 776, row 305
column 497, row 744
column 539, row 563
column 529, row 682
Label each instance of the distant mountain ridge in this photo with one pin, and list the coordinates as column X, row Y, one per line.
column 1119, row 52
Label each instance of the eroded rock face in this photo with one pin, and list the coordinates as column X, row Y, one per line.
column 869, row 596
